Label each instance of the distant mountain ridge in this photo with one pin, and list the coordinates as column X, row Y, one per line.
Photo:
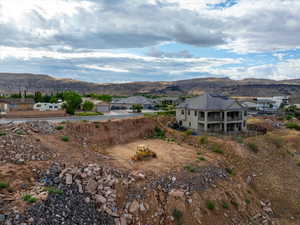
column 13, row 83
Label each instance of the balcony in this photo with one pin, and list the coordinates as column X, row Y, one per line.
column 212, row 119
column 236, row 118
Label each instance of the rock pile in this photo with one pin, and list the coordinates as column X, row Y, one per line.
column 41, row 127
column 18, row 148
column 201, row 179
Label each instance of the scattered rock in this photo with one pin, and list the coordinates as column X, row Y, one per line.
column 91, row 186
column 134, row 206
column 69, row 179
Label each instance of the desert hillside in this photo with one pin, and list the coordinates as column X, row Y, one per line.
column 13, row 83
column 88, row 173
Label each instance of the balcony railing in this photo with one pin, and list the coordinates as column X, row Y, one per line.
column 237, row 118
column 211, row 119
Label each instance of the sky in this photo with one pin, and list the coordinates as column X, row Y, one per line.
column 114, row 41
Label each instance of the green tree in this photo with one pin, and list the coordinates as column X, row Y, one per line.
column 38, row 97
column 72, row 102
column 137, row 108
column 88, row 106
column 53, row 99
column 46, row 98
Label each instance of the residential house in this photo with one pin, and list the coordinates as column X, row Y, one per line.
column 211, row 113
column 18, row 104
column 46, row 106
column 127, row 103
column 100, row 106
column 271, row 104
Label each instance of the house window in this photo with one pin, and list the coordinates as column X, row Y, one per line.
column 195, row 113
column 55, row 107
column 38, row 105
column 189, row 112
column 50, row 107
column 190, row 124
column 244, row 123
column 182, row 112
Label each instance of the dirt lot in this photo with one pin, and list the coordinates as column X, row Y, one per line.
column 170, row 156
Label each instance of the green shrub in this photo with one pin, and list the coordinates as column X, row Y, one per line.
column 201, row 158
column 293, row 126
column 188, row 132
column 88, row 106
column 217, row 149
column 225, row 205
column 177, row 214
column 53, row 190
column 2, row 133
column 159, row 133
column 59, row 127
column 29, row 198
column 248, row 201
column 203, row 140
column 190, row 168
column 210, row 205
column 65, row 138
column 253, row 147
column 3, row 185
column 229, row 171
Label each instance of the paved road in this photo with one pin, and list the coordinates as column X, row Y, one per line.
column 72, row 118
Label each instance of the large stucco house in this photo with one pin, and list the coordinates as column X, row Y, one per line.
column 212, row 113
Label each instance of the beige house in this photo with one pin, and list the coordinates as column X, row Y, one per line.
column 18, row 104
column 212, row 113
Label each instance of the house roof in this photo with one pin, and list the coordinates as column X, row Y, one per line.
column 133, row 100
column 211, row 102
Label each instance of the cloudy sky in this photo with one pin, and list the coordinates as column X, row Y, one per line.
column 147, row 40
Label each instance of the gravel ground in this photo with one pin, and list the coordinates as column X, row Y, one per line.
column 201, row 179
column 18, row 148
column 70, row 207
column 18, row 145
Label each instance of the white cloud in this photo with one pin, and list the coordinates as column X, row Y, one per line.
column 105, row 68
column 88, row 33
